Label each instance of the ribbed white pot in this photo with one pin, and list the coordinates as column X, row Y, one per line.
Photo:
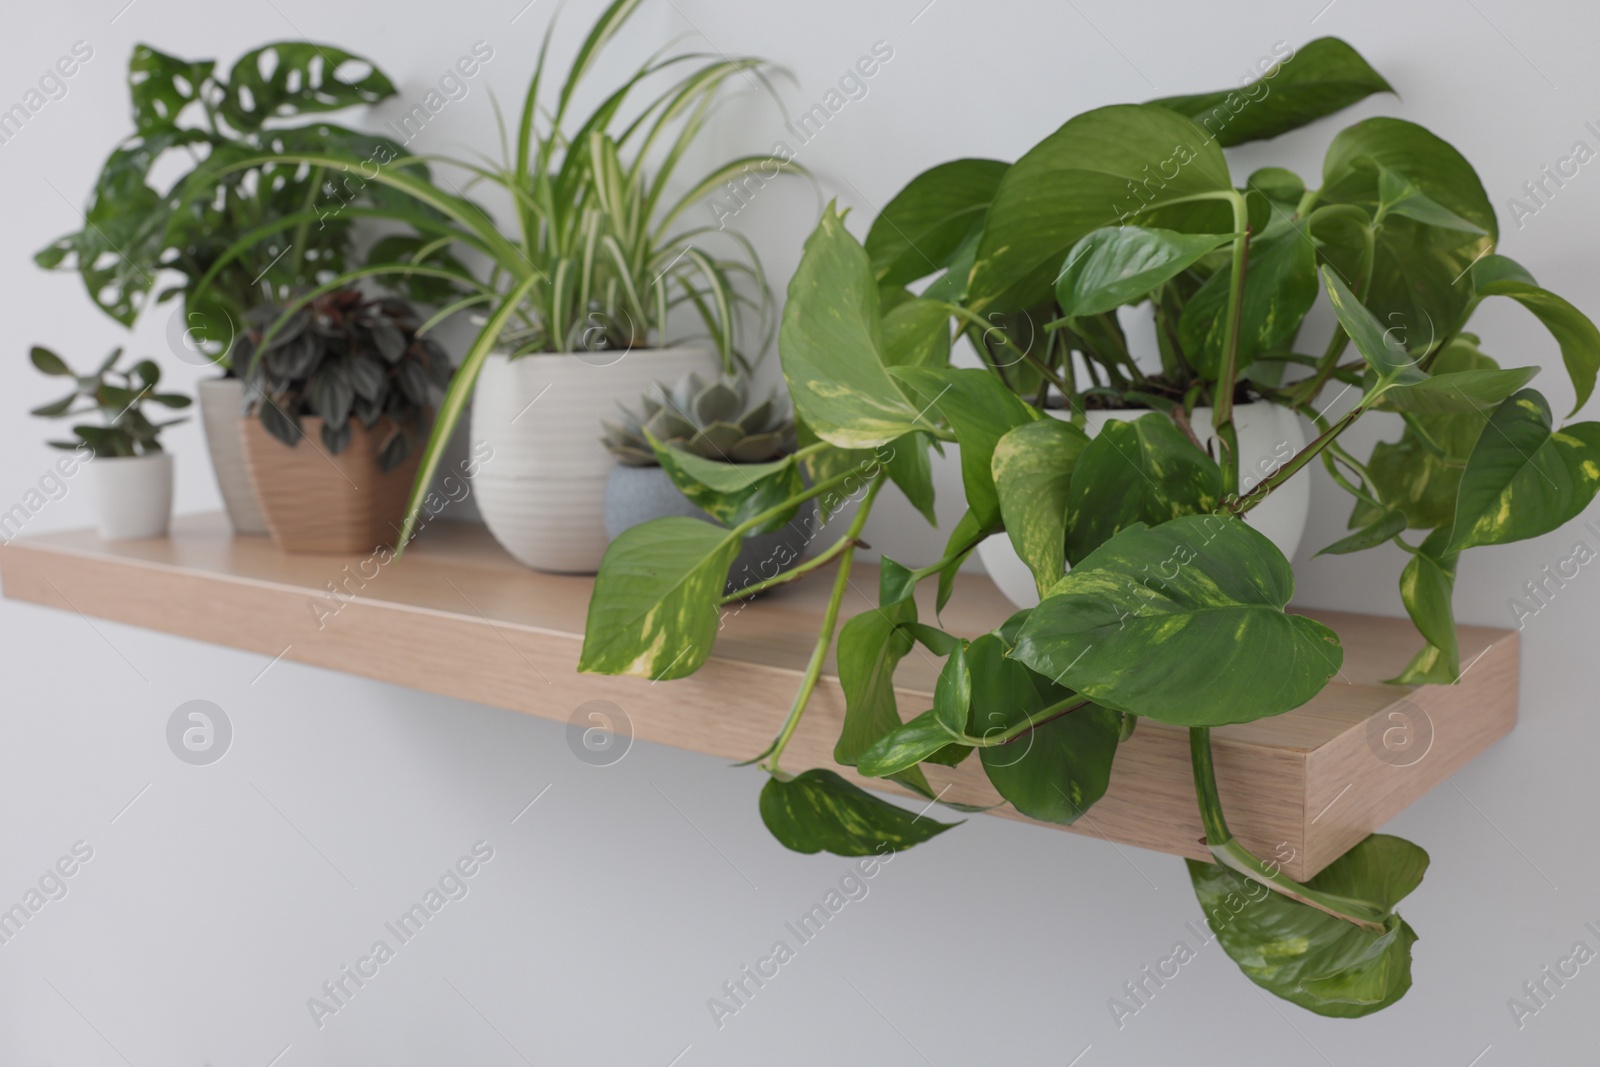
column 542, row 494
column 221, row 406
column 132, row 495
column 1268, row 435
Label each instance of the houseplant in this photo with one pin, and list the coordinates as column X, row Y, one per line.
column 697, row 433
column 580, row 288
column 338, row 401
column 1175, row 605
column 130, row 476
column 186, row 112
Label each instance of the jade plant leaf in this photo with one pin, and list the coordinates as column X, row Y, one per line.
column 831, row 345
column 1056, row 771
column 1181, row 623
column 1306, row 956
column 818, row 811
column 1032, row 467
column 1317, row 79
column 653, row 613
column 1415, row 267
column 732, row 493
column 1099, row 168
column 981, row 411
column 1572, row 329
column 1118, row 265
column 1145, row 471
column 1524, row 477
column 923, row 738
column 922, row 228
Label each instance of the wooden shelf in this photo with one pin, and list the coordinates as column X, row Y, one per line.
column 460, row 618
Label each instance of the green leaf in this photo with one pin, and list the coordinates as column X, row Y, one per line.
column 1397, row 196
column 1306, row 956
column 1381, row 348
column 48, row 362
column 818, row 811
column 969, row 533
column 921, row 229
column 952, row 693
column 923, row 738
column 732, row 493
column 1145, row 471
column 916, row 333
column 831, row 345
column 1321, row 77
column 1525, row 478
column 653, row 613
column 912, row 471
column 1415, row 267
column 161, row 86
column 289, row 78
column 1119, row 265
column 1056, row 771
column 1457, row 391
column 870, row 647
column 1426, row 587
column 1277, row 184
column 1386, row 527
column 981, row 411
column 1280, row 287
column 1100, row 168
column 1181, row 622
column 1572, row 329
column 1032, row 467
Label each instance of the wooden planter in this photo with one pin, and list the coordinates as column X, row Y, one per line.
column 314, row 501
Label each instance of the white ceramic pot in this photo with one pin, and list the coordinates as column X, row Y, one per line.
column 543, row 493
column 221, row 407
column 1268, row 435
column 132, row 495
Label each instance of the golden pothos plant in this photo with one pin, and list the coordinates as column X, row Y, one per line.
column 1174, row 606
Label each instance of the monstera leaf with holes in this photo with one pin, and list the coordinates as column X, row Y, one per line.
column 136, row 226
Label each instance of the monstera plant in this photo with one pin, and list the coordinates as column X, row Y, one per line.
column 186, row 112
column 1174, row 605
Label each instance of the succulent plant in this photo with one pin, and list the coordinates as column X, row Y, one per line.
column 117, row 396
column 713, row 421
column 339, row 358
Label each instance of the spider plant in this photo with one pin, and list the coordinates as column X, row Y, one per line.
column 600, row 255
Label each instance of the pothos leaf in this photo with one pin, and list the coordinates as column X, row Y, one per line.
column 870, row 647
column 1574, row 332
column 653, row 613
column 1179, row 623
column 819, row 811
column 1388, row 524
column 732, row 493
column 1145, row 471
column 1118, row 265
column 923, row 738
column 1032, row 467
column 1426, row 587
column 1306, row 956
column 1525, row 478
column 924, row 225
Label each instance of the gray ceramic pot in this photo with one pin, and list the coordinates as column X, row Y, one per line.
column 221, row 408
column 639, row 494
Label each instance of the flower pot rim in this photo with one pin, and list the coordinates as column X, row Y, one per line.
column 505, row 354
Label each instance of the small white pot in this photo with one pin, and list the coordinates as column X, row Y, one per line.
column 132, row 495
column 221, row 408
column 542, row 494
column 1268, row 436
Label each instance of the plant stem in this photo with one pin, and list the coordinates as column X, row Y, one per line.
column 1240, row 505
column 1223, row 399
column 1029, row 724
column 830, row 620
column 1229, row 853
column 820, row 560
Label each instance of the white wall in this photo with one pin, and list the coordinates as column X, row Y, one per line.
column 224, row 896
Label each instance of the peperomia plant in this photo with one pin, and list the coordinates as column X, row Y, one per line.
column 300, row 215
column 1174, row 607
column 117, row 396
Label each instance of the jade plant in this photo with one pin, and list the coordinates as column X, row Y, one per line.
column 1174, row 607
column 344, row 359
column 189, row 116
column 597, row 253
column 116, row 396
